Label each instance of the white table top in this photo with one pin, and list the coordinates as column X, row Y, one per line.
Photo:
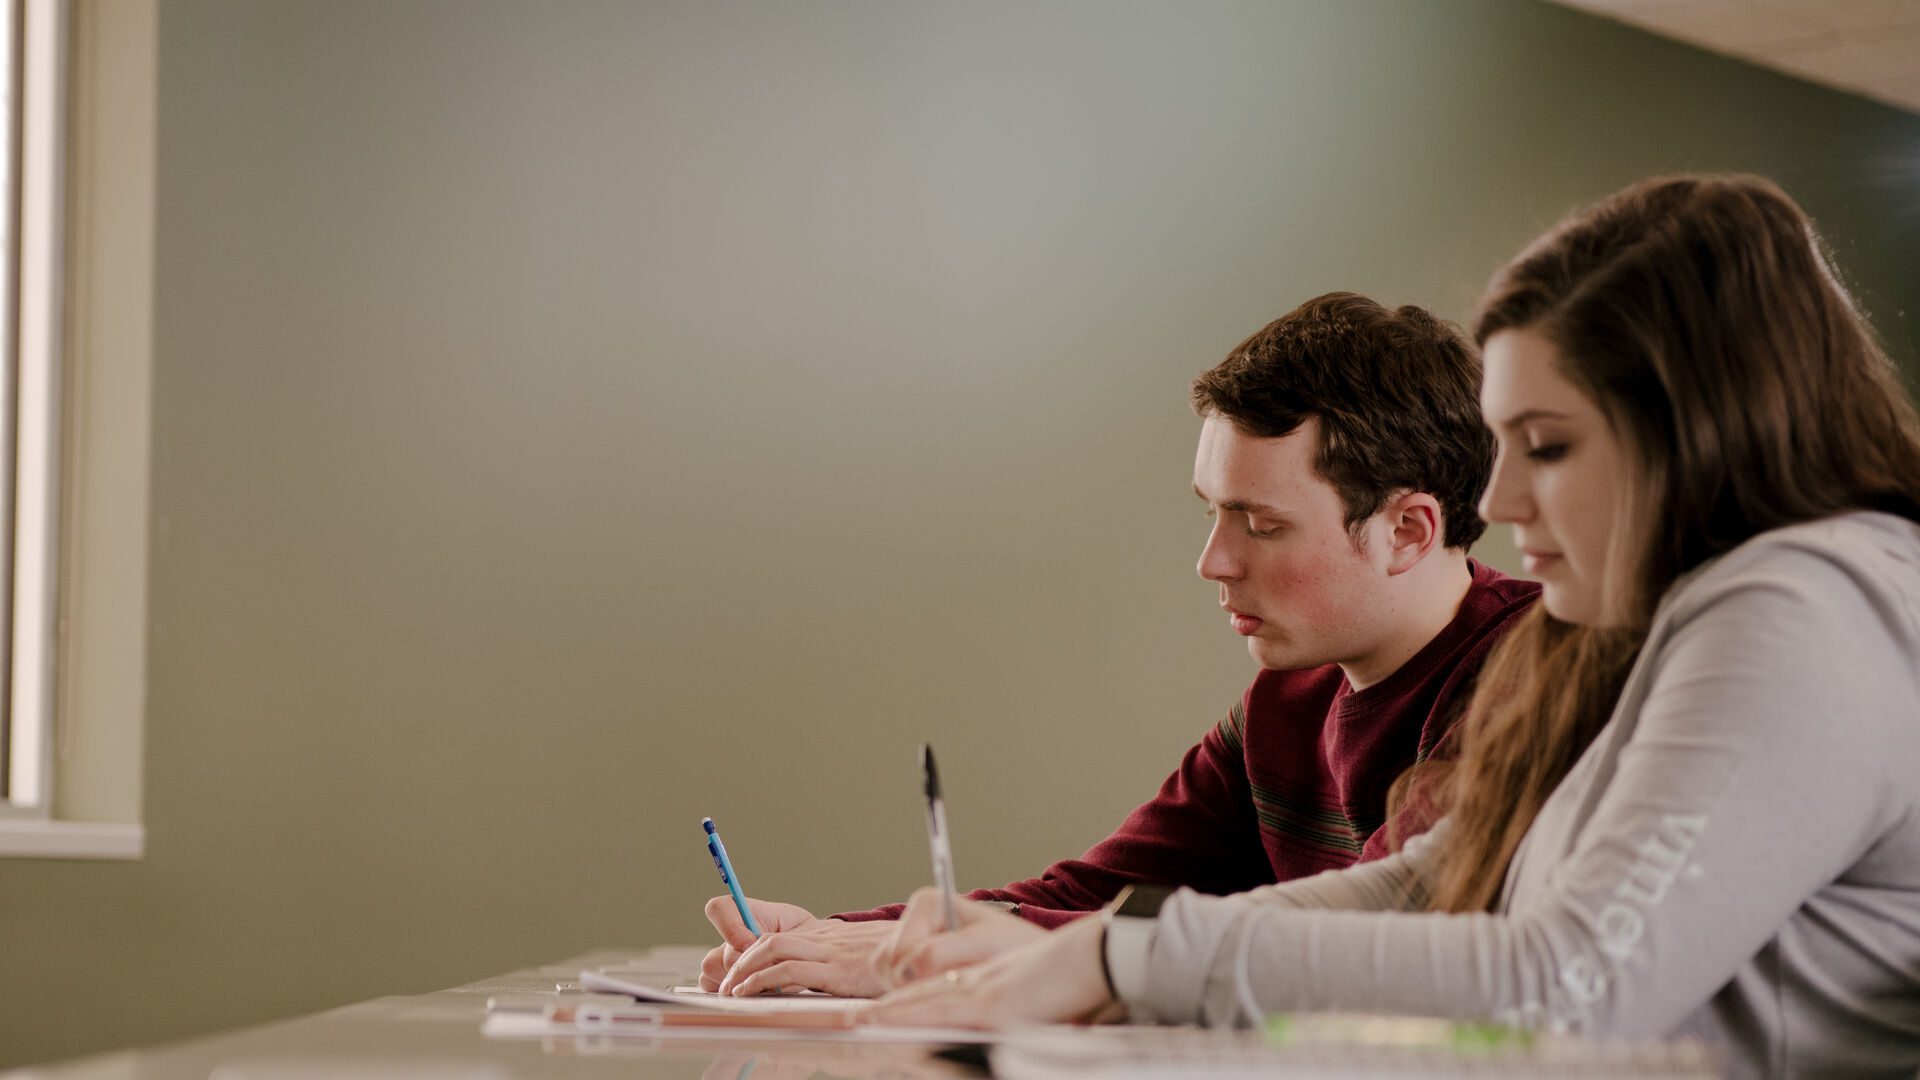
column 435, row 1036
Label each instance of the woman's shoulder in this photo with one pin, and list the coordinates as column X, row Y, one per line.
column 1819, row 619
column 1859, row 563
column 1875, row 543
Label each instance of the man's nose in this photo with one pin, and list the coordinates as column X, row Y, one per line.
column 1218, row 561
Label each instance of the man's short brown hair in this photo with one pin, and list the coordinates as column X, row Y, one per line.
column 1396, row 393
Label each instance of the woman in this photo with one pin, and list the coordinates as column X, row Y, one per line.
column 1688, row 798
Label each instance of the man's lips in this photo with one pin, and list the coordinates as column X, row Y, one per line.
column 1243, row 624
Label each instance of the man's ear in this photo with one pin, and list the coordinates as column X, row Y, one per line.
column 1415, row 528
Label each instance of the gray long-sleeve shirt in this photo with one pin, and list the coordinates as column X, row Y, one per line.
column 1736, row 856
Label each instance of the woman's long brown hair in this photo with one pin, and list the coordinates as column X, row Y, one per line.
column 1703, row 317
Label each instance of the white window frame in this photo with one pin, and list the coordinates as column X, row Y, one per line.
column 30, row 404
column 84, row 346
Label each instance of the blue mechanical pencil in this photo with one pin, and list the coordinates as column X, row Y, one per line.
column 719, row 851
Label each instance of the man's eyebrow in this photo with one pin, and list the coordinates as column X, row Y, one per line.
column 1529, row 415
column 1242, row 506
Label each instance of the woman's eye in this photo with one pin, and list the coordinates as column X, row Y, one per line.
column 1549, row 452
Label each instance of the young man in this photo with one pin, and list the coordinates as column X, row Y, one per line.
column 1341, row 455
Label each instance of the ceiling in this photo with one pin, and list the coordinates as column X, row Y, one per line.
column 1870, row 47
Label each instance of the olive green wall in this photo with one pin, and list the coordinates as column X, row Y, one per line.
column 572, row 419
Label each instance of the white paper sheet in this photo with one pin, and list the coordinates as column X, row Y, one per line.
column 614, row 982
column 521, row 1026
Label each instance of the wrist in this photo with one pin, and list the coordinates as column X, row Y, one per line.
column 1128, row 926
column 1106, row 966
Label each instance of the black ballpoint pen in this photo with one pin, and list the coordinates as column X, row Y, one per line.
column 937, row 838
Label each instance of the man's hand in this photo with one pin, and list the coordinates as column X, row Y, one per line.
column 736, row 938
column 1056, row 979
column 921, row 945
column 827, row 955
column 794, row 951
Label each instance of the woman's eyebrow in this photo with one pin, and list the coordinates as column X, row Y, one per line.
column 1529, row 415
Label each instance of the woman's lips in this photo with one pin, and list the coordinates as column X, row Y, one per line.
column 1537, row 561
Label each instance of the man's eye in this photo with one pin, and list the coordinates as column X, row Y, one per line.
column 1549, row 452
column 1261, row 534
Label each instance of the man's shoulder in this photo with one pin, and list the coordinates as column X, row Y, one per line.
column 1501, row 589
column 1494, row 601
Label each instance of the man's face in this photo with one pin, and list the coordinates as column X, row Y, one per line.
column 1291, row 579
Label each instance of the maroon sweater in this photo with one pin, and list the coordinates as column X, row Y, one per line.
column 1292, row 782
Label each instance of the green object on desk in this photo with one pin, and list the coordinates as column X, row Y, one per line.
column 1464, row 1037
column 1488, row 1036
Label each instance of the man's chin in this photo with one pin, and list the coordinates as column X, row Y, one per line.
column 1273, row 656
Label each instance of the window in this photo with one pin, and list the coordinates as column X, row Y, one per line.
column 76, row 254
column 30, row 295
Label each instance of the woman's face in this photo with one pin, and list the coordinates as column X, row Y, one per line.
column 1560, row 477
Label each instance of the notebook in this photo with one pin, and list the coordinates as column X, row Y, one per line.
column 648, row 989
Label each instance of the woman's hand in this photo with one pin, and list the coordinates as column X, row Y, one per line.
column 1055, row 979
column 921, row 945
